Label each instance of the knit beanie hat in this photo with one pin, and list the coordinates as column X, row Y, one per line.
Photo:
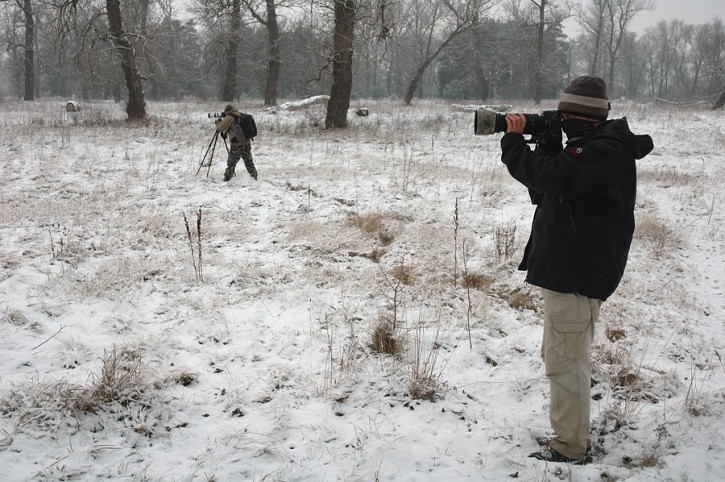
column 585, row 96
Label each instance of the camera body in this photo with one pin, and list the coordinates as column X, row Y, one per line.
column 539, row 126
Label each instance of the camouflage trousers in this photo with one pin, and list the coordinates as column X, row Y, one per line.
column 236, row 152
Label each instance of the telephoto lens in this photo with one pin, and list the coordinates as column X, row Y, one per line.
column 488, row 122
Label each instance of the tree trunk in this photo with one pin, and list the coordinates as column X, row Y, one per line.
column 721, row 101
column 270, row 91
column 230, row 83
column 478, row 61
column 539, row 74
column 174, row 85
column 29, row 52
column 415, row 81
column 136, row 108
column 148, row 61
column 341, row 89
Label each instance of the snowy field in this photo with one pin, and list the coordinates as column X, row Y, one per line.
column 354, row 315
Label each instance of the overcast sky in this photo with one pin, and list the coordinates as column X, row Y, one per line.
column 692, row 12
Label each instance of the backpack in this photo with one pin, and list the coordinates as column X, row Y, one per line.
column 246, row 123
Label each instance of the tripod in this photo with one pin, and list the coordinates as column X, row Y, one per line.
column 212, row 147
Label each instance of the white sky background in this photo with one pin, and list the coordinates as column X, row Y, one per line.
column 689, row 11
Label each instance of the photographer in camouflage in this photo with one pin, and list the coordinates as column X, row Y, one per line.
column 240, row 146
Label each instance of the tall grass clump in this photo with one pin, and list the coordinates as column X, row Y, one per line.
column 426, row 368
column 657, row 234
column 123, row 387
column 386, row 334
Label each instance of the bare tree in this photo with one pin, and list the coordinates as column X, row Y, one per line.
column 631, row 67
column 720, row 102
column 698, row 45
column 545, row 17
column 540, row 28
column 148, row 64
column 619, row 14
column 167, row 11
column 222, row 20
column 592, row 17
column 136, row 107
column 341, row 89
column 26, row 6
column 436, row 23
column 716, row 62
column 78, row 18
column 230, row 81
column 662, row 58
column 269, row 21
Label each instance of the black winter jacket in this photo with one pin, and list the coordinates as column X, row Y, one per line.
column 584, row 219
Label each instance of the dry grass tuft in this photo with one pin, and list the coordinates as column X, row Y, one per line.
column 374, row 224
column 477, row 281
column 17, row 318
column 656, row 233
column 121, row 380
column 423, row 385
column 403, row 273
column 518, row 299
column 305, row 230
column 504, row 239
column 426, row 369
column 376, row 254
column 384, row 338
column 666, row 177
column 185, row 378
column 42, row 404
column 122, row 388
column 615, row 334
column 368, row 223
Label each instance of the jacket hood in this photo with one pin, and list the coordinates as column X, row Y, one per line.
column 640, row 145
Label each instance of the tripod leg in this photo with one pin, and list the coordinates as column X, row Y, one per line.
column 216, row 137
column 211, row 143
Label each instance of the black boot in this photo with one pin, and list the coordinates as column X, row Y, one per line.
column 228, row 174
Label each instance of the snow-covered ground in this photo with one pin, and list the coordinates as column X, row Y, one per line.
column 132, row 349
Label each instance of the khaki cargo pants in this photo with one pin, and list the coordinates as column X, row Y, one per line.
column 569, row 321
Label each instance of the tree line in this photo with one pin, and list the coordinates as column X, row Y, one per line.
column 406, row 49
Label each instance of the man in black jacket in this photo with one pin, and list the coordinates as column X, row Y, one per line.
column 580, row 237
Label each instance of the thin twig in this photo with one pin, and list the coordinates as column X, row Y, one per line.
column 46, row 341
column 191, row 246
column 198, row 243
column 468, row 293
column 455, row 245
